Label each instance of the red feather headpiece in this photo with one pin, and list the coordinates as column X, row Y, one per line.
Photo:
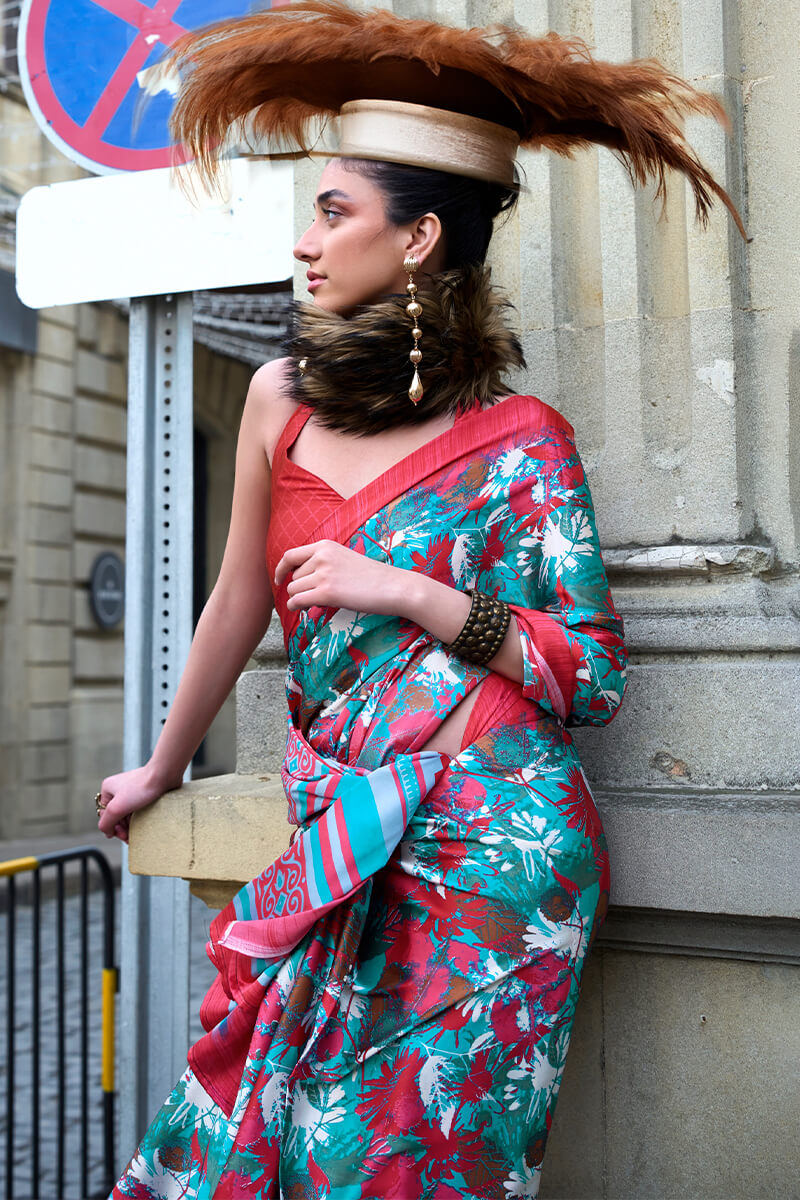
column 284, row 67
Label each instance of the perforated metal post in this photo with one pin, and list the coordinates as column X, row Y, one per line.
column 154, row 960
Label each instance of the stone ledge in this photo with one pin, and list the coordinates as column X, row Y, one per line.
column 682, row 559
column 721, row 854
column 216, row 832
column 656, row 931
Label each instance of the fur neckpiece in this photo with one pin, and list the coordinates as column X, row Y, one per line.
column 359, row 373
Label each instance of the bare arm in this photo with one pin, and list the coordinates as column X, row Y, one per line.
column 232, row 623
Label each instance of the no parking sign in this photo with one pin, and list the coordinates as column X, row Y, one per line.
column 81, row 64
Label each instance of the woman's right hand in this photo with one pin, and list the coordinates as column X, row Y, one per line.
column 123, row 794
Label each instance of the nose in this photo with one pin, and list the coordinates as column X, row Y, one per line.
column 307, row 249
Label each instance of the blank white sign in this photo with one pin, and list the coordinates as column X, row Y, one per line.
column 139, row 234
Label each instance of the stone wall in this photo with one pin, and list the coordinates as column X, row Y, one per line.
column 680, row 1083
column 673, row 352
column 97, row 506
column 46, row 509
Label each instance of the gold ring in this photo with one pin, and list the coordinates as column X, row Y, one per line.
column 98, row 803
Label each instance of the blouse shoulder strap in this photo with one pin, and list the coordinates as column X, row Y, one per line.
column 289, row 433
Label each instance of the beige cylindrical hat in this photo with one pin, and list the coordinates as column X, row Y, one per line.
column 423, row 93
column 394, row 131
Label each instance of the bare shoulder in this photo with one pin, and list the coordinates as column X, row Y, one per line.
column 269, row 404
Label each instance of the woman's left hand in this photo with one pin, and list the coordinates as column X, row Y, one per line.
column 329, row 575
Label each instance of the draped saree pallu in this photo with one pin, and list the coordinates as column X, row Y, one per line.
column 395, row 993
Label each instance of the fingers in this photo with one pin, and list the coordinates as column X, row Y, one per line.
column 106, row 797
column 107, row 822
column 303, row 559
column 323, row 574
column 114, row 825
column 110, row 819
column 303, row 563
column 103, row 800
column 303, row 594
column 120, row 796
column 304, row 578
column 305, row 569
column 292, row 560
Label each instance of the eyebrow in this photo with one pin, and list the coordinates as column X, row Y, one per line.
column 332, row 194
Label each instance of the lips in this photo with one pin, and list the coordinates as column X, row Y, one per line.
column 314, row 280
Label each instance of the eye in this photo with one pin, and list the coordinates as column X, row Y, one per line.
column 331, row 213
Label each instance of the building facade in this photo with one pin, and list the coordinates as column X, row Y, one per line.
column 63, row 410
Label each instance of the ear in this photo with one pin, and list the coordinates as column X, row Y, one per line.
column 424, row 237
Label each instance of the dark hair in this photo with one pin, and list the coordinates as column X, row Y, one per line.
column 466, row 207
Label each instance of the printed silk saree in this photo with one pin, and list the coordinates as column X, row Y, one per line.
column 396, row 992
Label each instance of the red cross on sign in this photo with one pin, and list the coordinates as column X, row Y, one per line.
column 81, row 63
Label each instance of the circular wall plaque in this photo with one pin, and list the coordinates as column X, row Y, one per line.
column 107, row 589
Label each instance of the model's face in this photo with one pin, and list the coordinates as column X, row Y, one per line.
column 353, row 253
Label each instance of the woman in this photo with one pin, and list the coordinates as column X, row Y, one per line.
column 395, row 994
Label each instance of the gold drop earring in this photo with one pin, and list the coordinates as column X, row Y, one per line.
column 414, row 310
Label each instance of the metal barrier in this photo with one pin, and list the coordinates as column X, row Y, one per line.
column 33, row 996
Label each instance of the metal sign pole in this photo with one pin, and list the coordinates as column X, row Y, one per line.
column 154, row 966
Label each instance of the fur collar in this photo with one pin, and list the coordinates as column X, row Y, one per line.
column 359, row 373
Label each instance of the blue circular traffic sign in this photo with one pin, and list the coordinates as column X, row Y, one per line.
column 82, row 65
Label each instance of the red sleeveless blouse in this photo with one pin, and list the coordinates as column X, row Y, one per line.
column 299, row 501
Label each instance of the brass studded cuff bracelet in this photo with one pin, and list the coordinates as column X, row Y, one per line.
column 484, row 630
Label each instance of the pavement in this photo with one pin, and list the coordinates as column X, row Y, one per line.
column 60, row 1024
